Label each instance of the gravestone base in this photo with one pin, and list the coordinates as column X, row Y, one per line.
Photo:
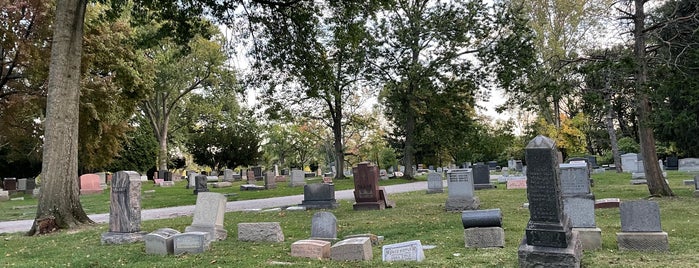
column 214, row 233
column 591, row 238
column 550, row 257
column 461, row 204
column 435, row 191
column 329, row 204
column 643, row 241
column 484, row 237
column 484, row 186
column 369, row 205
column 122, row 238
column 696, row 193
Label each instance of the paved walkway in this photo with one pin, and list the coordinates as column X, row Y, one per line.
column 171, row 212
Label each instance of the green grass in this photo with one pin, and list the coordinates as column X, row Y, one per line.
column 169, row 197
column 417, row 216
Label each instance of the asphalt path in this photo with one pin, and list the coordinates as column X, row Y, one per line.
column 172, row 212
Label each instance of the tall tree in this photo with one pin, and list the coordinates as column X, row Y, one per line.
column 563, row 29
column 434, row 50
column 313, row 54
column 657, row 185
column 59, row 205
column 179, row 71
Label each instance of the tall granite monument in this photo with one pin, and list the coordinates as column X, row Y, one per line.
column 548, row 241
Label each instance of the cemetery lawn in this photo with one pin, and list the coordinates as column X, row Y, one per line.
column 418, row 216
column 171, row 196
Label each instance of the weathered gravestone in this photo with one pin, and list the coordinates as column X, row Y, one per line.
column 124, row 209
column 688, row 165
column 628, row 162
column 352, row 249
column 260, row 232
column 483, row 228
column 405, row 251
column 208, row 216
column 640, row 227
column 4, row 195
column 316, row 249
column 192, row 242
column 160, row 241
column 297, row 178
column 192, row 180
column 324, row 226
column 22, row 185
column 270, row 180
column 200, row 185
column 579, row 204
column 319, row 195
column 696, row 186
column 548, row 240
column 435, row 183
column 481, row 177
column 90, row 184
column 223, row 184
column 461, row 191
column 367, row 194
column 228, row 175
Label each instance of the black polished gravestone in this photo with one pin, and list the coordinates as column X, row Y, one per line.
column 200, row 184
column 548, row 241
column 319, row 196
column 481, row 177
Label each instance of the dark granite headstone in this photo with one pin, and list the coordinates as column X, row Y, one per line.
column 481, row 177
column 492, row 165
column 257, row 173
column 548, row 238
column 124, row 209
column 366, row 187
column 31, row 185
column 200, row 184
column 672, row 163
column 10, row 184
column 319, row 195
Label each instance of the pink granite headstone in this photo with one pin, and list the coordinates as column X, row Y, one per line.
column 517, row 184
column 90, row 184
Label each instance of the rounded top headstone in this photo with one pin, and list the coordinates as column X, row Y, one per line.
column 541, row 142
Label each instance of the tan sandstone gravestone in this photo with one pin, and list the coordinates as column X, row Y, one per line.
column 316, row 249
column 352, row 249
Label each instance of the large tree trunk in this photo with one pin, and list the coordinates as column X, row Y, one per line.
column 409, row 150
column 612, row 139
column 162, row 149
column 609, row 120
column 656, row 183
column 338, row 145
column 59, row 202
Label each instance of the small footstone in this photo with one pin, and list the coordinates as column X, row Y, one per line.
column 192, row 242
column 591, row 238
